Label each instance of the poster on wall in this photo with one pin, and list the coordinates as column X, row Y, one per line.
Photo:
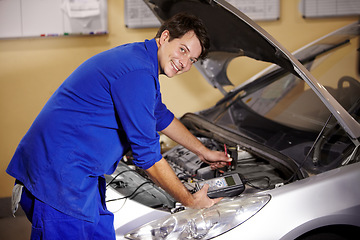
column 138, row 15
column 329, row 8
column 258, row 10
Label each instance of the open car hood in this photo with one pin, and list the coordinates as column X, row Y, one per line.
column 233, row 34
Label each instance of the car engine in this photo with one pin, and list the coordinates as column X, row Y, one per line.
column 256, row 173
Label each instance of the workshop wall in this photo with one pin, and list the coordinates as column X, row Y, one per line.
column 32, row 68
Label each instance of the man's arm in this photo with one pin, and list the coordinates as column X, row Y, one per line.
column 180, row 134
column 162, row 174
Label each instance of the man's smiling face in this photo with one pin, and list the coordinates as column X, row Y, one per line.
column 178, row 55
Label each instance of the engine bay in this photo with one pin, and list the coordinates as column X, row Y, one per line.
column 257, row 174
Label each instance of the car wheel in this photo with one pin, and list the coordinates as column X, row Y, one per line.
column 332, row 233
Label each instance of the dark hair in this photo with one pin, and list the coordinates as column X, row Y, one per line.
column 180, row 24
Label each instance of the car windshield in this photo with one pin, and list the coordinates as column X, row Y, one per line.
column 288, row 100
column 280, row 111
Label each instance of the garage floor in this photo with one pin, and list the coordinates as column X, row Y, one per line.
column 18, row 228
column 11, row 228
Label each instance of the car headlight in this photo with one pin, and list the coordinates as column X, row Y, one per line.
column 204, row 223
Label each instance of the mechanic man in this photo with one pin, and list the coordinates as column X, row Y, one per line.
column 111, row 103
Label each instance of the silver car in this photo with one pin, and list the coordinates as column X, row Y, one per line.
column 293, row 131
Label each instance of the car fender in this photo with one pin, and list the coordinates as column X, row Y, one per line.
column 294, row 209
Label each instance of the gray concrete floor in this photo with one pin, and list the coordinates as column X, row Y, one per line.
column 18, row 228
